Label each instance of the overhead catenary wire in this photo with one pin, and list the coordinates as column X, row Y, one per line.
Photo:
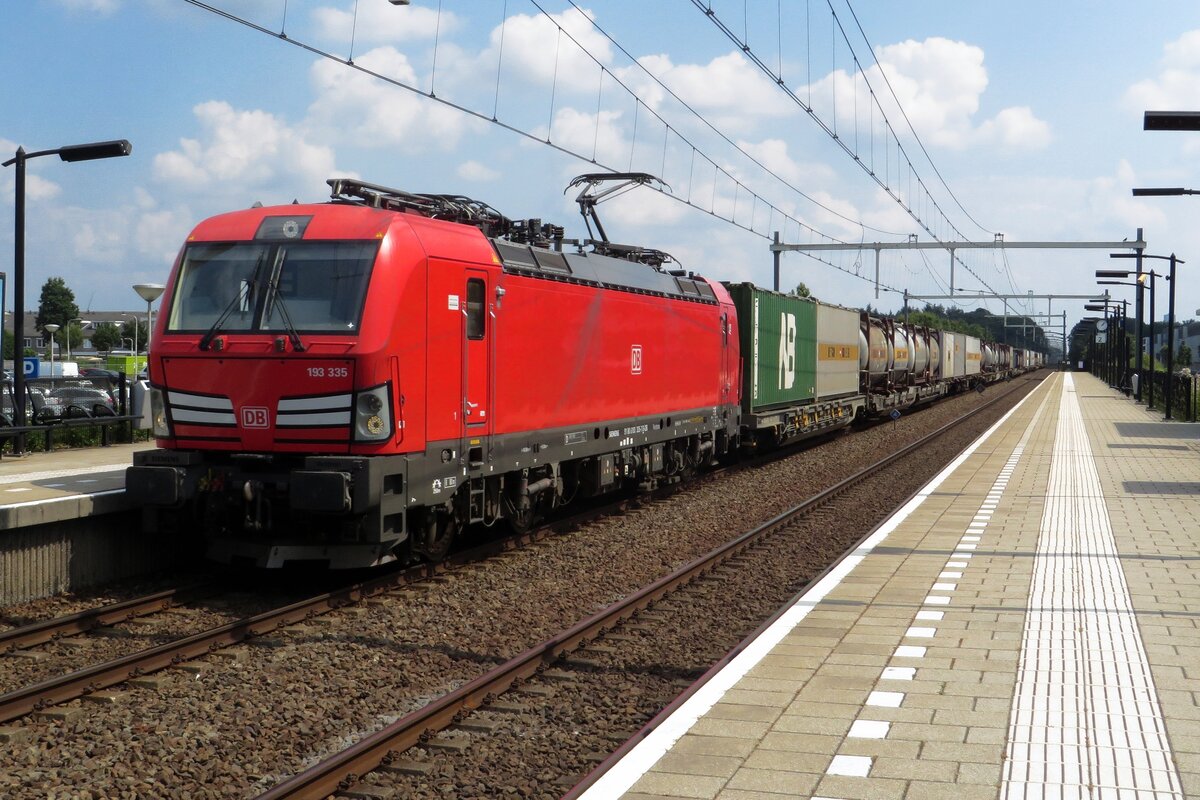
column 911, row 128
column 719, row 171
column 830, row 127
column 706, row 122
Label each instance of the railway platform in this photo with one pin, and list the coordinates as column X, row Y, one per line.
column 1027, row 626
column 66, row 523
column 63, row 484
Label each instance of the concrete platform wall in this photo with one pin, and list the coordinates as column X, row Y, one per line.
column 73, row 554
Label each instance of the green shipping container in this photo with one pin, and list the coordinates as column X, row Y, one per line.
column 778, row 335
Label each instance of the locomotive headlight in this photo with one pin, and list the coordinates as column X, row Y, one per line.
column 158, row 414
column 372, row 414
column 370, row 403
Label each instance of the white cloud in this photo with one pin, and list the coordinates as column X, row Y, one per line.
column 379, row 114
column 1177, row 85
column 474, row 171
column 378, row 21
column 939, row 84
column 584, row 133
column 535, row 51
column 158, row 235
column 36, row 187
column 642, row 208
column 728, row 89
column 241, row 151
column 1015, row 128
column 773, row 154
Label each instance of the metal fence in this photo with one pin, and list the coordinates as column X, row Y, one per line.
column 1185, row 395
column 74, row 411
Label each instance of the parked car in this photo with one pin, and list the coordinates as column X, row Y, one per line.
column 43, row 407
column 80, row 397
column 98, row 372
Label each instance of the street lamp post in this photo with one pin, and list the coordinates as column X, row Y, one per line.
column 52, row 329
column 82, row 322
column 1167, row 394
column 134, row 340
column 1140, row 284
column 149, row 292
column 70, row 153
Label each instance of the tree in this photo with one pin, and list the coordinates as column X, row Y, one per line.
column 801, row 291
column 57, row 304
column 143, row 333
column 106, row 337
column 1183, row 356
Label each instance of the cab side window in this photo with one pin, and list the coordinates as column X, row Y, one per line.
column 476, row 309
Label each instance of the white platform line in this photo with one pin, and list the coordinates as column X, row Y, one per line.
column 622, row 775
column 1085, row 713
column 30, row 477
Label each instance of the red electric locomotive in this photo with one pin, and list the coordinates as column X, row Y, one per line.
column 352, row 382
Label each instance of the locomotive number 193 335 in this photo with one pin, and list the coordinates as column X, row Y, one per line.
column 328, row 372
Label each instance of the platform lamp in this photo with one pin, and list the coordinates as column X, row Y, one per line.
column 134, row 339
column 81, row 322
column 1170, row 317
column 1140, row 309
column 75, row 152
column 1140, row 283
column 51, row 329
column 148, row 292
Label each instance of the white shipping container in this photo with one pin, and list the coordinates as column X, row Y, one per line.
column 837, row 351
column 974, row 355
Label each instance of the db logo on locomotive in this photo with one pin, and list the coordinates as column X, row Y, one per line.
column 255, row 417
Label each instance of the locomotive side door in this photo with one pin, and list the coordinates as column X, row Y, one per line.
column 477, row 335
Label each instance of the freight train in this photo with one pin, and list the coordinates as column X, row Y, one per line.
column 349, row 383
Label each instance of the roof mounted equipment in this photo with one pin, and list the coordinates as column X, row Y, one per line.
column 449, row 207
column 588, row 199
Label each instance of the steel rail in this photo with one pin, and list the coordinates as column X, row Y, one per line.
column 38, row 696
column 343, row 769
column 47, row 693
column 37, row 633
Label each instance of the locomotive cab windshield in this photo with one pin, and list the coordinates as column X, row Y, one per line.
column 294, row 287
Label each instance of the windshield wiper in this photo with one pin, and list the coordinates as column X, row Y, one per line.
column 293, row 335
column 274, row 298
column 244, row 293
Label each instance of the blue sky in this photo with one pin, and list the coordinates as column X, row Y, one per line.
column 1029, row 111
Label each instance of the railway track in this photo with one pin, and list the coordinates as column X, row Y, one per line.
column 88, row 680
column 589, row 651
column 91, row 619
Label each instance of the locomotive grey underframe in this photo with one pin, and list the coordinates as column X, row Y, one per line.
column 380, row 489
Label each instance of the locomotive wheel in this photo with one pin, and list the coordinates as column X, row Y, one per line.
column 438, row 536
column 523, row 522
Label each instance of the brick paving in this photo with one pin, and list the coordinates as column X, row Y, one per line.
column 901, row 681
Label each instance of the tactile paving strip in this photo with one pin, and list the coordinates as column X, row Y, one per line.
column 1086, row 721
